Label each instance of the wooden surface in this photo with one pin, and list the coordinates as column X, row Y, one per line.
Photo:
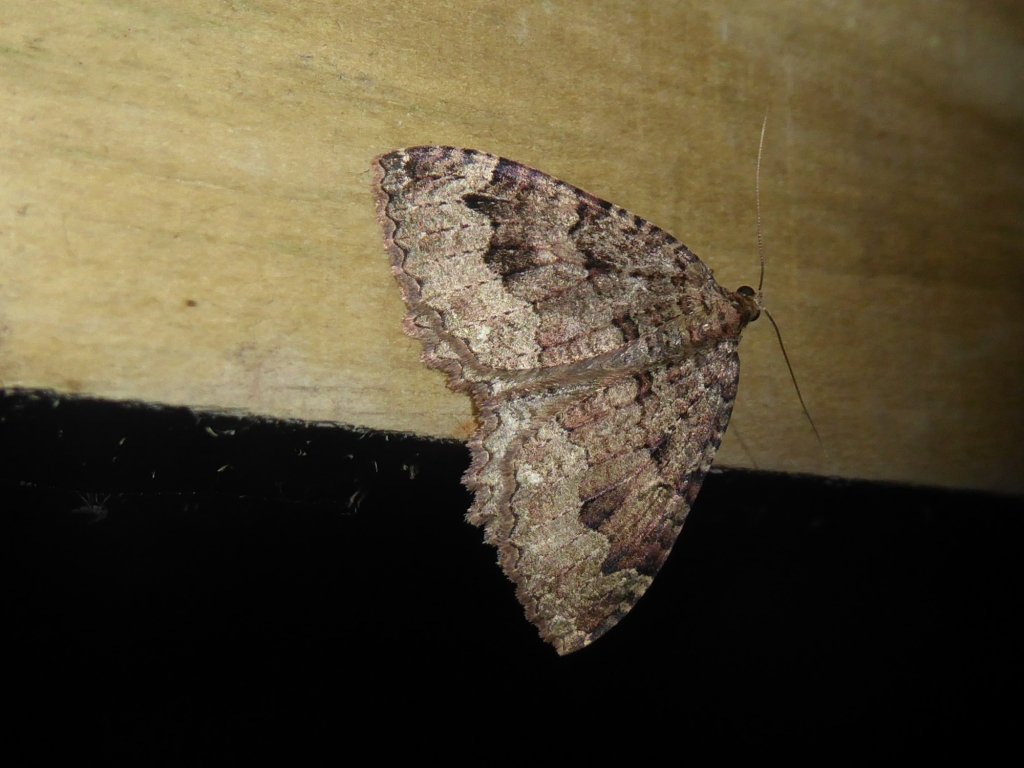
column 185, row 214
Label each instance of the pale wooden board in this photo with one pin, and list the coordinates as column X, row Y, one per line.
column 153, row 154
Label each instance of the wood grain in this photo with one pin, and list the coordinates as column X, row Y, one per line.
column 185, row 214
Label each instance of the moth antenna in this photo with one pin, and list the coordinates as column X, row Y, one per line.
column 760, row 282
column 757, row 201
column 800, row 397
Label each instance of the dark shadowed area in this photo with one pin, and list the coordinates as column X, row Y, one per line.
column 177, row 573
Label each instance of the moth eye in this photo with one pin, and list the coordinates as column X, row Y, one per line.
column 746, row 290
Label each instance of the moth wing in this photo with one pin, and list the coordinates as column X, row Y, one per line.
column 584, row 491
column 505, row 269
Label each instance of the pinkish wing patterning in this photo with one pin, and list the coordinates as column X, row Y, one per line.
column 600, row 355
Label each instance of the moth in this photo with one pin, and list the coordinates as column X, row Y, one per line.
column 601, row 358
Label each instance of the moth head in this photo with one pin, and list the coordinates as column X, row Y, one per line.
column 748, row 301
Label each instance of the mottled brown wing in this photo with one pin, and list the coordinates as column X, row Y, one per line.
column 506, row 269
column 584, row 491
column 600, row 354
